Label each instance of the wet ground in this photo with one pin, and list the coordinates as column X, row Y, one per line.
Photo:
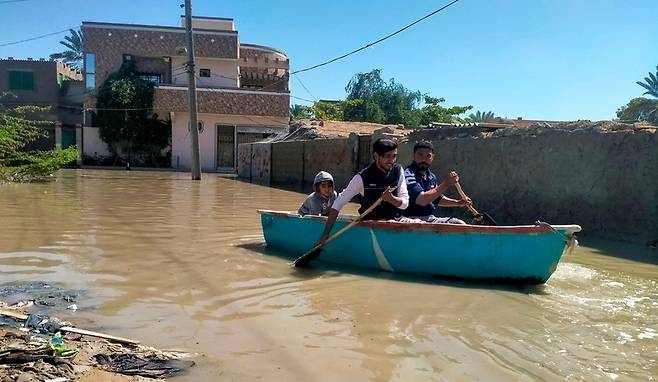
column 182, row 265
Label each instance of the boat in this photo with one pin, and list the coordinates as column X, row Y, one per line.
column 521, row 253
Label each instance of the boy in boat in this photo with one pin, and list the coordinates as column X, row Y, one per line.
column 323, row 196
column 424, row 189
column 382, row 178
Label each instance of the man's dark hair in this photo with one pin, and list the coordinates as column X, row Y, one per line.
column 384, row 145
column 423, row 145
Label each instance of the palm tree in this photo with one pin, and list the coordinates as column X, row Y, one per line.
column 300, row 112
column 651, row 84
column 480, row 116
column 73, row 56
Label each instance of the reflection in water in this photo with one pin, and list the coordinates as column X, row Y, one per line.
column 182, row 265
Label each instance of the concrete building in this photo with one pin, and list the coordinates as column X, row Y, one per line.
column 242, row 89
column 50, row 84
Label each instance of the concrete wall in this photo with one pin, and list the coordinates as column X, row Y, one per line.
column 338, row 158
column 261, row 163
column 244, row 161
column 288, row 164
column 92, row 144
column 606, row 182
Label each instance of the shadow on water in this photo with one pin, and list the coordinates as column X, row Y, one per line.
column 321, row 268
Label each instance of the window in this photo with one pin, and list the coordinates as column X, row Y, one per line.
column 127, row 57
column 90, row 71
column 20, row 80
column 153, row 78
column 204, row 72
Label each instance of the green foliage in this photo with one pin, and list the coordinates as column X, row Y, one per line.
column 18, row 127
column 481, row 116
column 298, row 112
column 72, row 56
column 650, row 84
column 328, row 110
column 372, row 99
column 129, row 127
column 638, row 110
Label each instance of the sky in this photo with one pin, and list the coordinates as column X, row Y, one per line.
column 536, row 59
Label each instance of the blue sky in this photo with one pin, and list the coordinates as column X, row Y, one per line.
column 536, row 59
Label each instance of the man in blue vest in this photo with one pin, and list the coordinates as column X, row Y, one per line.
column 375, row 181
column 424, row 189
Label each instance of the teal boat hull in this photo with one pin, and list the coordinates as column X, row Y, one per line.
column 528, row 254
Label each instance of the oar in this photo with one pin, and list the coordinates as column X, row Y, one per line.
column 479, row 218
column 305, row 259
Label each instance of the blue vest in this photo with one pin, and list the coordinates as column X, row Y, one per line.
column 375, row 182
column 417, row 184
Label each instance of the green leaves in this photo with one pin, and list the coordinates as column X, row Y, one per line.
column 650, row 84
column 72, row 56
column 18, row 127
column 125, row 116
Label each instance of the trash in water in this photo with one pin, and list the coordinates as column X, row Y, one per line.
column 153, row 365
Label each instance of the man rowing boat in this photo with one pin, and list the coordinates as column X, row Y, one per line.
column 424, row 189
column 382, row 178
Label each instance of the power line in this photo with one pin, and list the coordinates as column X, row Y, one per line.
column 305, row 88
column 375, row 42
column 37, row 37
column 11, row 1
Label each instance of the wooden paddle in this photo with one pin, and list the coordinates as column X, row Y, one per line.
column 478, row 217
column 305, row 259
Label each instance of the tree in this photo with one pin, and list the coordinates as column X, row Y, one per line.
column 18, row 127
column 434, row 112
column 371, row 99
column 638, row 110
column 126, row 120
column 481, row 116
column 72, row 56
column 650, row 84
column 298, row 112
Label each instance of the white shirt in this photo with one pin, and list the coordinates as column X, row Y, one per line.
column 355, row 187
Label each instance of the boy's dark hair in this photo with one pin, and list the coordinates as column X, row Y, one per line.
column 423, row 145
column 384, row 145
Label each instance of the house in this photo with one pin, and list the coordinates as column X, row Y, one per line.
column 50, row 84
column 242, row 89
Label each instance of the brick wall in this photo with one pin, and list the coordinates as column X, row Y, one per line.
column 223, row 102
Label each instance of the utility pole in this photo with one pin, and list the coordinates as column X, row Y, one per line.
column 194, row 124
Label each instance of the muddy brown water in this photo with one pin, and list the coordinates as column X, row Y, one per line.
column 182, row 265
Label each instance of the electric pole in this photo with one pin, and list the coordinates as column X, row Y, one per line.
column 194, row 124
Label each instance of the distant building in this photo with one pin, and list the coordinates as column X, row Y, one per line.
column 242, row 89
column 47, row 83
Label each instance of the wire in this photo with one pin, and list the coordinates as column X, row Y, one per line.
column 305, row 88
column 37, row 37
column 375, row 42
column 11, row 1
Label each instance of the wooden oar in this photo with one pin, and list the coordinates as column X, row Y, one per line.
column 479, row 218
column 305, row 259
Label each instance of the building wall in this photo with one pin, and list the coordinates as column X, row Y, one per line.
column 111, row 41
column 221, row 101
column 92, row 143
column 224, row 73
column 65, row 100
column 181, row 146
column 46, row 89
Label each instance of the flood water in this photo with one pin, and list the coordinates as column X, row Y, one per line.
column 182, row 265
